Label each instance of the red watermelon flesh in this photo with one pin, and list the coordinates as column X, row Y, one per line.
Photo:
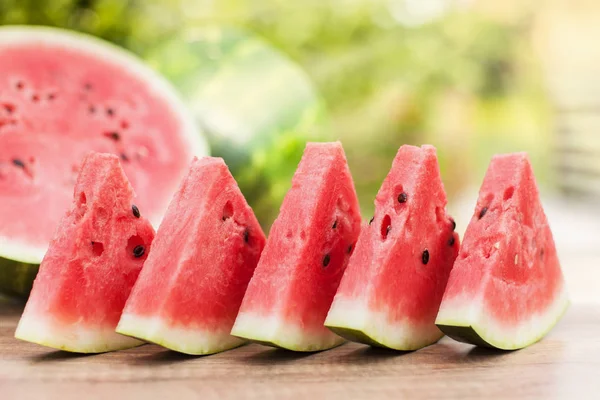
column 91, row 265
column 307, row 251
column 63, row 95
column 391, row 291
column 506, row 289
column 205, row 252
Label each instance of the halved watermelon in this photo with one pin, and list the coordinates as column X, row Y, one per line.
column 307, row 251
column 391, row 292
column 91, row 265
column 506, row 289
column 63, row 94
column 205, row 252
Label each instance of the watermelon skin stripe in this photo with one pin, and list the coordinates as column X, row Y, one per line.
column 16, row 278
column 477, row 327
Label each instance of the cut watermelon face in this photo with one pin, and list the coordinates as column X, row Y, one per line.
column 91, row 265
column 205, row 252
column 308, row 249
column 62, row 95
column 391, row 292
column 506, row 289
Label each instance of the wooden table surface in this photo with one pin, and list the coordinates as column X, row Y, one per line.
column 566, row 364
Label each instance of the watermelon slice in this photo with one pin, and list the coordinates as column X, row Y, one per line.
column 63, row 94
column 506, row 289
column 308, row 248
column 391, row 292
column 91, row 265
column 204, row 255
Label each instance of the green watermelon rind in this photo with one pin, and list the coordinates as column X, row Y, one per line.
column 22, row 253
column 354, row 320
column 47, row 333
column 153, row 330
column 460, row 326
column 274, row 332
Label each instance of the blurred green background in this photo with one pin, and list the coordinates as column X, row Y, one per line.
column 265, row 76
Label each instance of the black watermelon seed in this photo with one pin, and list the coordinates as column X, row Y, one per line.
column 326, row 260
column 19, row 163
column 136, row 211
column 371, row 220
column 542, row 252
column 402, row 197
column 350, row 249
column 387, row 230
column 425, row 257
column 483, row 211
column 124, row 157
column 246, row 235
column 451, row 241
column 334, row 225
column 453, row 224
column 51, row 96
column 114, row 136
column 110, row 112
column 138, row 251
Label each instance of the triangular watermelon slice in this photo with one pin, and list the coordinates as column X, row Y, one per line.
column 205, row 252
column 391, row 292
column 506, row 289
column 308, row 249
column 91, row 265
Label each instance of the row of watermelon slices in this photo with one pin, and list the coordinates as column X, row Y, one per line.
column 209, row 281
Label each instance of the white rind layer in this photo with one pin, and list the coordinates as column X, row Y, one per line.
column 354, row 314
column 189, row 340
column 272, row 330
column 466, row 312
column 15, row 36
column 78, row 338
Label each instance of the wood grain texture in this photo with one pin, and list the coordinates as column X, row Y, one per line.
column 566, row 364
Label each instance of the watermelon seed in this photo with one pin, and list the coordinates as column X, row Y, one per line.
column 136, row 211
column 371, row 220
column 453, row 224
column 138, row 251
column 483, row 211
column 425, row 256
column 35, row 98
column 113, row 135
column 9, row 108
column 97, row 248
column 386, row 226
column 334, row 225
column 451, row 241
column 51, row 96
column 20, row 85
column 402, row 197
column 110, row 112
column 91, row 109
column 246, row 235
column 87, row 86
column 19, row 163
column 542, row 254
column 326, row 260
column 350, row 249
column 124, row 157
